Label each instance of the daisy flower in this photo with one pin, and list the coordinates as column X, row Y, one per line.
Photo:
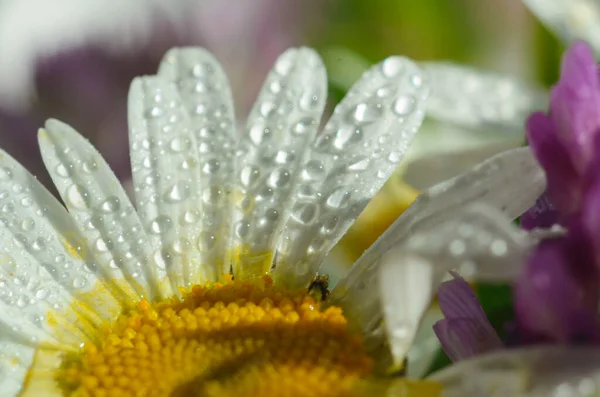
column 209, row 286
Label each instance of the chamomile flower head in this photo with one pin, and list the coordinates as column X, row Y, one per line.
column 207, row 286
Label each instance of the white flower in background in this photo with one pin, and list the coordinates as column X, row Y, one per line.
column 173, row 297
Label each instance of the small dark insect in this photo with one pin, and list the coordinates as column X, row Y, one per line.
column 321, row 284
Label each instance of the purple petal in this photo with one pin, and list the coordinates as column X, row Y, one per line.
column 465, row 331
column 575, row 103
column 542, row 215
column 548, row 298
column 563, row 179
column 463, row 338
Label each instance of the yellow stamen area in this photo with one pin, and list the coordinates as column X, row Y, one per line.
column 237, row 338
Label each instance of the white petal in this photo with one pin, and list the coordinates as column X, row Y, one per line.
column 15, row 360
column 281, row 125
column 166, row 179
column 477, row 237
column 473, row 98
column 526, row 372
column 347, row 164
column 509, row 182
column 570, row 19
column 206, row 96
column 51, row 289
column 114, row 238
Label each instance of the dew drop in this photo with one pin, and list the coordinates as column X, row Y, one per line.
column 266, row 109
column 365, row 113
column 259, row 133
column 212, row 195
column 79, row 282
column 249, row 176
column 180, row 144
column 360, row 163
column 347, row 135
column 26, row 201
column 284, row 156
column 385, row 91
column 38, row 244
column 78, row 197
column 405, row 105
column 338, row 198
column 181, row 246
column 63, row 170
column 416, row 80
column 283, row 65
column 309, row 101
column 27, row 224
column 110, row 205
column 211, row 166
column 101, row 245
column 178, row 192
column 89, row 166
column 189, row 217
column 160, row 225
column 8, row 207
column 303, row 126
column 242, row 229
column 42, row 294
column 279, row 178
column 275, row 86
column 392, row 67
column 5, row 174
column 314, row 169
column 305, row 214
column 394, row 157
column 154, row 112
column 206, row 241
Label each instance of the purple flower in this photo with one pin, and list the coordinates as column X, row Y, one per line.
column 564, row 140
column 556, row 297
column 465, row 331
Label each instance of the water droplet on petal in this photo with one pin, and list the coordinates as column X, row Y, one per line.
column 338, row 198
column 405, row 105
column 89, row 166
column 346, row 135
column 305, row 214
column 303, row 126
column 392, row 67
column 206, row 241
column 27, row 224
column 110, row 205
column 79, row 282
column 309, row 101
column 279, row 178
column 178, row 192
column 249, row 176
column 259, row 133
column 154, row 112
column 5, row 174
column 160, row 225
column 365, row 113
column 78, row 197
column 190, row 217
column 180, row 144
column 63, row 170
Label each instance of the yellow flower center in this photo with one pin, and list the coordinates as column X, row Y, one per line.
column 239, row 338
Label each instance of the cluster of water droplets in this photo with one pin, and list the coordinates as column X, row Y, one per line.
column 350, row 160
column 469, row 97
column 269, row 156
column 41, row 270
column 205, row 92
